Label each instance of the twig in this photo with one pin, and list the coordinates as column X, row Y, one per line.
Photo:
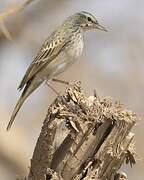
column 9, row 12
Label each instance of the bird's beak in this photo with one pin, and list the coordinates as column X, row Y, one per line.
column 98, row 26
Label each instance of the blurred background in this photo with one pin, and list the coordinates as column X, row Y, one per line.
column 112, row 63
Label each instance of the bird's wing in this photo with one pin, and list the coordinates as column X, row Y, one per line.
column 50, row 49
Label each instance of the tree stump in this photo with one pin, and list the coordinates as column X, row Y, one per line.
column 83, row 138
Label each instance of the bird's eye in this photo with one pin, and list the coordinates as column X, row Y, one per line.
column 96, row 22
column 89, row 19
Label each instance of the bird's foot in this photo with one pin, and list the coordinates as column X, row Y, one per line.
column 61, row 81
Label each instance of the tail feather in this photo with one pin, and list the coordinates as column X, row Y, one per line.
column 16, row 109
column 29, row 88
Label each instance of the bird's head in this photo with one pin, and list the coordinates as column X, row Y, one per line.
column 87, row 21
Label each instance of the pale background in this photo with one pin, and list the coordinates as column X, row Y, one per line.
column 112, row 63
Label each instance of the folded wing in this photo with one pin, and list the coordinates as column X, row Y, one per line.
column 50, row 49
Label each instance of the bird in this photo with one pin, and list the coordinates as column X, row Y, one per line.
column 58, row 52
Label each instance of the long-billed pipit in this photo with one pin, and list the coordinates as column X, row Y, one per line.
column 60, row 50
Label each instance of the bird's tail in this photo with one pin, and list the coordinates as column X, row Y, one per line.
column 29, row 88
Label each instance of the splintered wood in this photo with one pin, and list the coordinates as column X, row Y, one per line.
column 83, row 138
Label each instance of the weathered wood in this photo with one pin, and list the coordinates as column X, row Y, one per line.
column 93, row 143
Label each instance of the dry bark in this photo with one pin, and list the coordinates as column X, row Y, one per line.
column 83, row 138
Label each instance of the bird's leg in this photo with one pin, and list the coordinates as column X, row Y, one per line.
column 60, row 81
column 52, row 88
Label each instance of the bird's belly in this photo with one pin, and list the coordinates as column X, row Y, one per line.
column 62, row 63
column 57, row 66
